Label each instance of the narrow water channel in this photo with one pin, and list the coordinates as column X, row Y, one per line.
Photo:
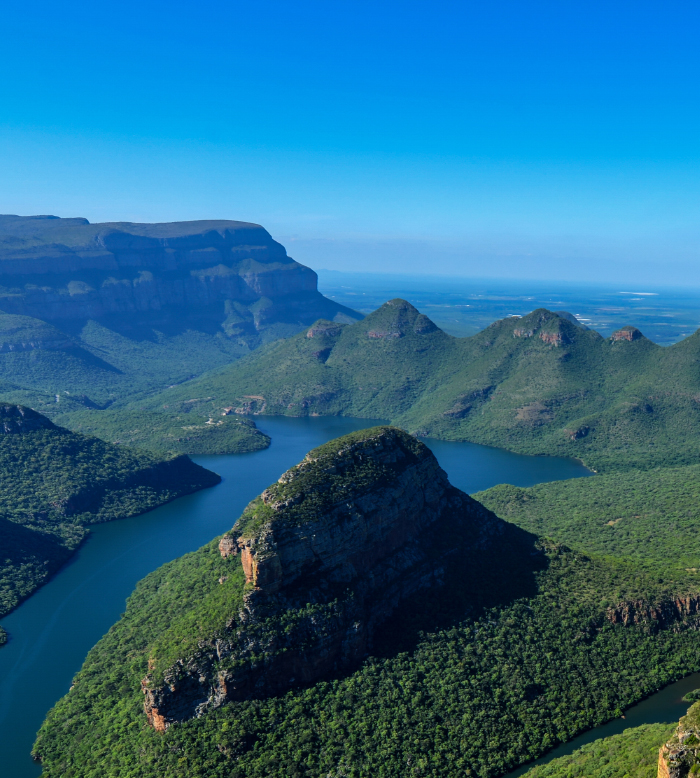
column 664, row 707
column 51, row 633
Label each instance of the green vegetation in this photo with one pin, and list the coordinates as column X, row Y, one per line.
column 537, row 385
column 56, row 482
column 648, row 517
column 323, row 480
column 476, row 695
column 632, row 754
column 693, row 696
column 160, row 431
column 97, row 366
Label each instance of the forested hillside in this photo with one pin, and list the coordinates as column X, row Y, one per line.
column 55, row 483
column 539, row 384
column 517, row 645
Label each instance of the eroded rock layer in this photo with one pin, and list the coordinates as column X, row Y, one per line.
column 329, row 552
column 232, row 273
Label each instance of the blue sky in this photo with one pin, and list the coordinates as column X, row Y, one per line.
column 556, row 140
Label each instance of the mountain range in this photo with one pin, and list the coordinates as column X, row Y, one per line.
column 539, row 384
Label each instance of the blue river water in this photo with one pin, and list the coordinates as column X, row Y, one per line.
column 52, row 631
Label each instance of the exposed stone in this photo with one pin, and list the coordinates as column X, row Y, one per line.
column 678, row 612
column 552, row 338
column 333, row 548
column 228, row 546
column 227, row 272
column 626, row 333
column 680, row 756
column 381, row 335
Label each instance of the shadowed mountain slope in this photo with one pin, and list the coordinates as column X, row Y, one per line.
column 56, row 482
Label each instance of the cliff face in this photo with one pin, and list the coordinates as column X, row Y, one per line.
column 681, row 755
column 328, row 553
column 676, row 613
column 232, row 273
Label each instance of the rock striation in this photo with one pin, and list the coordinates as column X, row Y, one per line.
column 329, row 552
column 673, row 612
column 229, row 273
column 681, row 755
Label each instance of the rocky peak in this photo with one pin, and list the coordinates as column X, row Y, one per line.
column 626, row 333
column 324, row 329
column 353, row 483
column 552, row 329
column 396, row 319
column 329, row 552
column 16, row 419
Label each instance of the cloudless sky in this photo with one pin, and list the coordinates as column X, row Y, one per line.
column 544, row 139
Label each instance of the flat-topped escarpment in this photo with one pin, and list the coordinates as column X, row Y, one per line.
column 328, row 552
column 56, row 269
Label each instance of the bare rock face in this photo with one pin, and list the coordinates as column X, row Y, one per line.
column 674, row 613
column 549, row 327
column 231, row 273
column 681, row 755
column 626, row 333
column 328, row 552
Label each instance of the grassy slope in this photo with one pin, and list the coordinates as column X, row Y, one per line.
column 632, row 754
column 56, row 482
column 616, row 405
column 99, row 366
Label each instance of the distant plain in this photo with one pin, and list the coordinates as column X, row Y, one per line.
column 464, row 306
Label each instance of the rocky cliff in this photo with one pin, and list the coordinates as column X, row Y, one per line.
column 681, row 755
column 328, row 552
column 230, row 274
column 673, row 612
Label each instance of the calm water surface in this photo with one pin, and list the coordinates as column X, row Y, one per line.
column 51, row 632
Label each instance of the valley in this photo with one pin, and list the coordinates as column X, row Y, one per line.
column 421, row 631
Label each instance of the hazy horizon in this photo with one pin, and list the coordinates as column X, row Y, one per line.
column 539, row 141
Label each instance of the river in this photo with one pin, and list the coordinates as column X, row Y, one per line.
column 52, row 631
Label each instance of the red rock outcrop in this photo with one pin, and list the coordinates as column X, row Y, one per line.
column 680, row 757
column 678, row 610
column 626, row 333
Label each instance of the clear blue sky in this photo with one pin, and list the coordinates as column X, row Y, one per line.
column 551, row 139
